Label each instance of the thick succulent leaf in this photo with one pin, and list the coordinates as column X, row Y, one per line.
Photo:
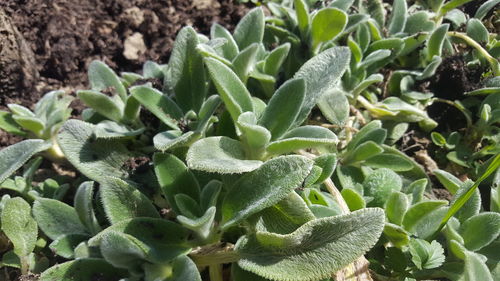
column 250, row 29
column 334, row 105
column 56, row 218
column 103, row 78
column 398, row 16
column 175, row 178
column 426, row 255
column 159, row 104
column 315, row 250
column 165, row 239
column 321, row 74
column 303, row 18
column 264, row 187
column 422, row 219
column 380, row 184
column 220, row 155
column 83, row 203
column 65, row 245
column 283, row 108
column 14, row 156
column 326, row 24
column 123, row 201
column 83, row 270
column 187, row 71
column 95, row 158
column 230, row 49
column 480, row 230
column 19, row 226
column 302, row 138
column 187, row 206
column 232, row 91
column 106, row 106
column 285, row 216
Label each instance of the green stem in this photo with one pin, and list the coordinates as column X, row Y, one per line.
column 24, row 265
column 495, row 66
column 215, row 272
column 214, row 255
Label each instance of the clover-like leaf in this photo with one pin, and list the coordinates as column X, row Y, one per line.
column 56, row 218
column 264, row 187
column 315, row 250
column 426, row 255
column 14, row 156
column 95, row 158
column 19, row 226
column 220, row 155
column 123, row 201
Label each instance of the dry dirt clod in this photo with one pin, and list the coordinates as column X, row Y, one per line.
column 134, row 46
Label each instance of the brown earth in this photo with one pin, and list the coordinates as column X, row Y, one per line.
column 48, row 44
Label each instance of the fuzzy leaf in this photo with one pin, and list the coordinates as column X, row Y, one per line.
column 328, row 163
column 172, row 139
column 123, row 250
column 480, row 230
column 19, row 226
column 353, row 199
column 232, row 91
column 334, row 105
column 250, row 29
column 254, row 136
column 102, row 78
column 83, row 203
column 301, row 138
column 102, row 104
column 175, row 178
column 83, row 270
column 315, row 250
column 159, row 104
column 380, row 184
column 187, row 71
column 390, row 161
column 95, row 158
column 65, row 245
column 275, row 59
column 477, row 31
column 220, row 155
column 230, row 49
column 436, row 41
column 14, row 156
column 8, row 124
column 321, row 74
column 398, row 17
column 56, row 218
column 123, row 201
column 283, row 108
column 422, row 219
column 244, row 62
column 326, row 24
column 112, row 130
column 475, row 268
column 303, row 18
column 362, row 152
column 483, row 10
column 264, row 187
column 396, row 207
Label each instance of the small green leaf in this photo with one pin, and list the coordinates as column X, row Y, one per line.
column 452, row 4
column 396, row 206
column 326, row 24
column 390, row 161
column 233, row 92
column 83, row 203
column 102, row 104
column 370, row 132
column 245, row 61
column 353, row 199
column 475, row 268
column 159, row 104
column 56, row 218
column 426, row 255
column 103, row 78
column 8, row 124
column 302, row 138
column 14, row 156
column 65, row 245
column 380, row 184
column 334, row 105
column 19, row 226
column 362, row 152
column 328, row 163
column 422, row 219
column 398, row 17
column 283, row 108
column 181, row 268
column 123, row 250
column 174, row 178
column 250, row 29
column 321, row 73
column 33, row 124
column 202, row 225
column 396, row 235
column 254, row 136
column 477, row 31
column 220, row 155
column 95, row 158
column 112, row 130
column 230, row 49
column 315, row 250
column 20, row 110
column 264, row 187
column 483, row 10
column 480, row 230
column 436, row 41
column 123, row 201
column 83, row 270
column 187, row 72
column 303, row 19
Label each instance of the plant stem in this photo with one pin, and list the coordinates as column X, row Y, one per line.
column 215, row 272
column 495, row 65
column 215, row 254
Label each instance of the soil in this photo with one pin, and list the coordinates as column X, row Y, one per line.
column 48, row 44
